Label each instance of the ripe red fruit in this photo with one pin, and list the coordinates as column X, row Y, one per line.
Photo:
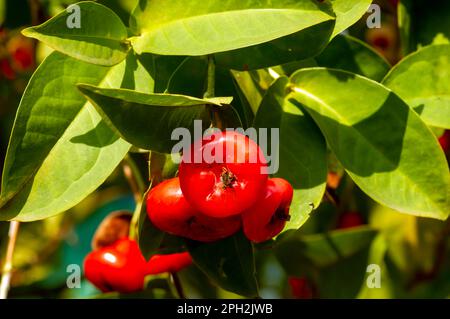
column 300, row 288
column 169, row 211
column 7, row 70
column 223, row 174
column 268, row 217
column 349, row 220
column 118, row 267
column 168, row 263
column 444, row 141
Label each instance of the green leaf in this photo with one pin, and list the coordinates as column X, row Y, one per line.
column 100, row 38
column 422, row 80
column 321, row 250
column 383, row 145
column 148, row 120
column 205, row 27
column 55, row 162
column 149, row 237
column 229, row 263
column 351, row 54
column 348, row 12
column 298, row 46
column 345, row 53
column 47, row 108
column 302, row 151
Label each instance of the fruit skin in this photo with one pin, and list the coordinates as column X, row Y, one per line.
column 118, row 267
column 268, row 217
column 228, row 185
column 444, row 141
column 349, row 220
column 168, row 263
column 300, row 288
column 169, row 211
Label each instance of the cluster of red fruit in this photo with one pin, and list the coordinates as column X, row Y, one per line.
column 117, row 264
column 213, row 199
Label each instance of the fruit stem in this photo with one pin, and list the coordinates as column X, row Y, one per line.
column 211, row 78
column 7, row 266
column 178, row 286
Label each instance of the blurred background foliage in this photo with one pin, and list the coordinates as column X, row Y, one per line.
column 413, row 253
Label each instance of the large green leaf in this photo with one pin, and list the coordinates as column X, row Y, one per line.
column 321, row 250
column 298, row 46
column 82, row 151
column 345, row 53
column 208, row 26
column 101, row 38
column 48, row 106
column 422, row 80
column 383, row 145
column 148, row 120
column 229, row 263
column 351, row 54
column 348, row 12
column 302, row 150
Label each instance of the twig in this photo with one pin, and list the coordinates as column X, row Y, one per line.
column 8, row 265
column 178, row 286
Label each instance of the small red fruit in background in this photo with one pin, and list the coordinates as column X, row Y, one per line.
column 300, row 288
column 223, row 174
column 118, row 267
column 268, row 216
column 6, row 69
column 171, row 263
column 21, row 50
column 444, row 141
column 169, row 211
column 349, row 220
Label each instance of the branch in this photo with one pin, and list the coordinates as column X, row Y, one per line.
column 8, row 265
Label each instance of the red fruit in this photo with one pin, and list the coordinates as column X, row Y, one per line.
column 268, row 217
column 7, row 70
column 349, row 220
column 119, row 267
column 444, row 140
column 224, row 174
column 168, row 263
column 169, row 211
column 23, row 58
column 300, row 288
column 21, row 50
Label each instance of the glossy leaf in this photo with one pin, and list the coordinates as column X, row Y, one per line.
column 383, row 145
column 229, row 263
column 298, row 46
column 351, row 54
column 345, row 53
column 99, row 38
column 71, row 165
column 148, row 120
column 302, row 151
column 211, row 26
column 422, row 80
column 348, row 12
column 35, row 132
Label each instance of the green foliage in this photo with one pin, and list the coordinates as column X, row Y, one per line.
column 422, row 80
column 378, row 139
column 206, row 27
column 110, row 91
column 305, row 170
column 228, row 263
column 93, row 42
